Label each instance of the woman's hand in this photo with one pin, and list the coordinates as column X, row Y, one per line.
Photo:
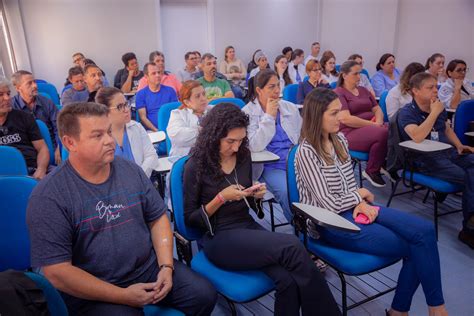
column 368, row 210
column 261, row 192
column 366, row 195
column 272, row 107
column 233, row 192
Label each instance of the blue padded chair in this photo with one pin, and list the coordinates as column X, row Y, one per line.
column 289, row 93
column 357, row 158
column 163, row 119
column 47, row 139
column 338, row 68
column 464, row 115
column 345, row 262
column 51, row 90
column 154, row 310
column 14, row 242
column 12, row 162
column 54, row 300
column 46, row 95
column 235, row 286
column 40, row 81
column 365, row 72
column 333, row 85
column 66, row 87
column 235, row 101
column 383, row 105
column 64, row 153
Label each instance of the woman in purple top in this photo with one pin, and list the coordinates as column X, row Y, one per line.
column 387, row 76
column 362, row 121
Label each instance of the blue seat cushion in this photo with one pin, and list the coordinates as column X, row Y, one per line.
column 55, row 302
column 359, row 155
column 348, row 262
column 238, row 286
column 433, row 183
column 154, row 310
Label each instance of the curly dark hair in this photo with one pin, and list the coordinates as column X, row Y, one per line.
column 216, row 126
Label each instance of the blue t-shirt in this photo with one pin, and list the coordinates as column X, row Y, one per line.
column 279, row 145
column 152, row 101
column 100, row 228
column 124, row 151
column 412, row 114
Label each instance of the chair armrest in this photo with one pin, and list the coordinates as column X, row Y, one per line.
column 183, row 248
column 425, row 146
column 324, row 217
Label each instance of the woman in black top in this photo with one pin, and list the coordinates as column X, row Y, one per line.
column 215, row 178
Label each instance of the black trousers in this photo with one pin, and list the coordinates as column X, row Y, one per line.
column 283, row 258
column 191, row 294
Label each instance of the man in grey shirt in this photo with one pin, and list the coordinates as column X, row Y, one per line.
column 77, row 92
column 100, row 232
column 191, row 59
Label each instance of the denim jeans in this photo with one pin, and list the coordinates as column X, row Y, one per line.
column 397, row 234
column 455, row 168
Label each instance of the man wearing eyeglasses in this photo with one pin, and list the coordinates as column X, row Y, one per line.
column 191, row 59
column 19, row 129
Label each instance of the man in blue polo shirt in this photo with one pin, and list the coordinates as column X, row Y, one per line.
column 426, row 118
column 150, row 99
column 41, row 107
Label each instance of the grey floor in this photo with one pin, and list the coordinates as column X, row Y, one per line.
column 457, row 266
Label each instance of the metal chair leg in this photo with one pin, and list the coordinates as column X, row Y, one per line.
column 231, row 304
column 343, row 293
column 394, row 188
column 272, row 216
column 360, row 174
column 426, row 195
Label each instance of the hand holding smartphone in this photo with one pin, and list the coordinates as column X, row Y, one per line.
column 363, row 219
column 254, row 188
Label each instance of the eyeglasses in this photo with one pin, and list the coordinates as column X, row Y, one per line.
column 461, row 70
column 122, row 107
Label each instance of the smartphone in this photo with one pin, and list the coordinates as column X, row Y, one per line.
column 254, row 188
column 465, row 151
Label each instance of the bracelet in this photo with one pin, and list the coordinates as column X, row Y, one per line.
column 167, row 265
column 220, row 198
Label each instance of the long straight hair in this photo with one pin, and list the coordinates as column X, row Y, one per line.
column 315, row 104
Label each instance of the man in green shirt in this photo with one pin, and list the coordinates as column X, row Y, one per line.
column 215, row 88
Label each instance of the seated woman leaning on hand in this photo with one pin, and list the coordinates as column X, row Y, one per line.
column 183, row 126
column 131, row 139
column 215, row 178
column 325, row 179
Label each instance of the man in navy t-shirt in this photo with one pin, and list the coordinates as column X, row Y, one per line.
column 100, row 232
column 150, row 99
column 426, row 118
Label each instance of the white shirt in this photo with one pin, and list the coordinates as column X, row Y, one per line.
column 446, row 91
column 254, row 72
column 292, row 72
column 262, row 128
column 331, row 78
column 396, row 100
column 183, row 128
column 142, row 149
column 308, row 58
column 365, row 82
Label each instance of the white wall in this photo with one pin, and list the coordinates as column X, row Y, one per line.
column 266, row 24
column 366, row 27
column 444, row 26
column 105, row 29
column 102, row 29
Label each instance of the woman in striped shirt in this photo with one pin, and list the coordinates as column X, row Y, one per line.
column 325, row 179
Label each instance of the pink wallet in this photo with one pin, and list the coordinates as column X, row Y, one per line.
column 363, row 219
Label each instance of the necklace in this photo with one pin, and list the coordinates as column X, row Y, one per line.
column 238, row 185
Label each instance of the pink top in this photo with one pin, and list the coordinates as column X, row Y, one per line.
column 169, row 80
column 360, row 105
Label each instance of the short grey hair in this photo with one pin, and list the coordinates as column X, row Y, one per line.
column 16, row 77
column 5, row 83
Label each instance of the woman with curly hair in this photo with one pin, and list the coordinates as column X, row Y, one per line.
column 218, row 194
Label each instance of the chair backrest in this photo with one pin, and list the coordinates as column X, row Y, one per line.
column 333, row 85
column 46, row 95
column 289, row 93
column 163, row 120
column 235, row 101
column 47, row 139
column 64, row 153
column 365, row 72
column 338, row 68
column 293, row 194
column 464, row 115
column 14, row 239
column 40, row 81
column 66, row 87
column 12, row 162
column 177, row 200
column 383, row 105
column 51, row 90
